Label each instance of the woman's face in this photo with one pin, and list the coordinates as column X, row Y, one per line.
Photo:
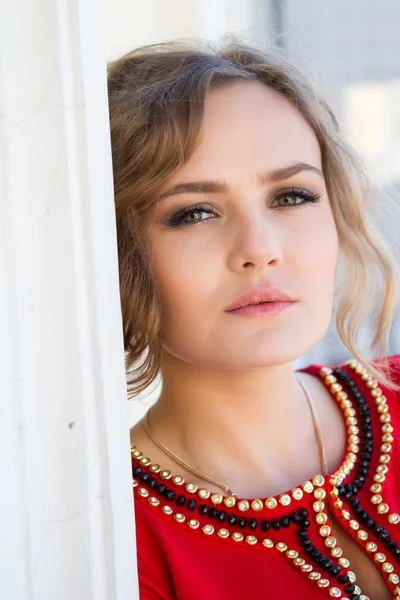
column 248, row 230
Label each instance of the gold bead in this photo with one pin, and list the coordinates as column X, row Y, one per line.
column 383, row 508
column 377, row 499
column 251, row 539
column 351, row 576
column 380, row 557
column 193, row 523
column 297, row 494
column 136, row 453
column 292, row 554
column 135, row 483
column 203, row 493
column 354, row 525
column 386, row 448
column 268, row 543
column 299, row 562
column 326, row 371
column 362, row 535
column 336, row 552
column 257, row 505
column 165, row 474
column 318, row 506
column 285, row 499
column 145, row 461
column 329, row 379
column 143, row 492
column 216, row 498
column 393, row 578
column 343, row 562
column 237, row 537
column 224, row 533
column 208, row 529
column 154, row 501
column 335, row 592
column 179, row 517
column 394, row 518
column 371, row 547
column 376, row 488
column 281, row 547
column 243, row 505
column 306, row 568
column 383, row 469
column 308, row 487
column 155, row 468
column 323, row 583
column 345, row 515
column 178, row 480
column 387, row 567
column 318, row 480
column 325, row 530
column 229, row 501
column 314, row 575
column 271, row 503
column 192, row 488
column 319, row 493
column 321, row 518
column 167, row 509
column 330, row 542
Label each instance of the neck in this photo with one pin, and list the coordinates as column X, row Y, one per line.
column 228, row 424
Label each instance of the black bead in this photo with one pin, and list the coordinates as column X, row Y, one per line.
column 306, row 524
column 221, row 516
column 349, row 588
column 191, row 504
column 327, row 565
column 170, row 494
column 370, row 523
column 334, row 571
column 309, row 550
column 144, row 477
column 294, row 517
column 181, row 500
column 302, row 533
column 303, row 513
column 354, row 503
column 343, row 579
column 378, row 529
column 232, row 519
column 390, row 545
column 161, row 489
column 305, row 541
column 152, row 483
column 242, row 522
column 354, row 597
column 276, row 524
column 396, row 552
column 212, row 513
column 285, row 522
column 265, row 525
column 320, row 560
column 136, row 471
column 202, row 510
column 253, row 523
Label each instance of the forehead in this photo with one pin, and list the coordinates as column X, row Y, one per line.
column 248, row 126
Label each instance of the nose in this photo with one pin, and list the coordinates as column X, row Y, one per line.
column 256, row 243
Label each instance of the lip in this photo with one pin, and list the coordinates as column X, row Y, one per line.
column 266, row 295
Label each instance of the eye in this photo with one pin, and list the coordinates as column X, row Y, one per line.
column 189, row 216
column 294, row 198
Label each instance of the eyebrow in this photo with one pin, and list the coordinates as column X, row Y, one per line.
column 215, row 187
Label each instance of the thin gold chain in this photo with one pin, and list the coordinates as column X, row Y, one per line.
column 226, row 489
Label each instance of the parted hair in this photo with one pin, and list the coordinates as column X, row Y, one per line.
column 156, row 104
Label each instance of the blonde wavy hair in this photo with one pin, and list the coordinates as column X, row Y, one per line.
column 156, row 104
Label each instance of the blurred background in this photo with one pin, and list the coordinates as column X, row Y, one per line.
column 350, row 48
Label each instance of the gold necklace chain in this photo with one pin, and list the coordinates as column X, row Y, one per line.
column 226, row 489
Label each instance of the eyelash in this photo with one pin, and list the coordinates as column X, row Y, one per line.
column 308, row 198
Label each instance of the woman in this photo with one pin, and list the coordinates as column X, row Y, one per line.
column 242, row 226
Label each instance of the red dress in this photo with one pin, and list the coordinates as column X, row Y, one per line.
column 193, row 545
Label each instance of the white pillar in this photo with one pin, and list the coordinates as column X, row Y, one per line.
column 66, row 513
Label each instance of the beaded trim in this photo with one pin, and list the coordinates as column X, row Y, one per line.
column 339, row 492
